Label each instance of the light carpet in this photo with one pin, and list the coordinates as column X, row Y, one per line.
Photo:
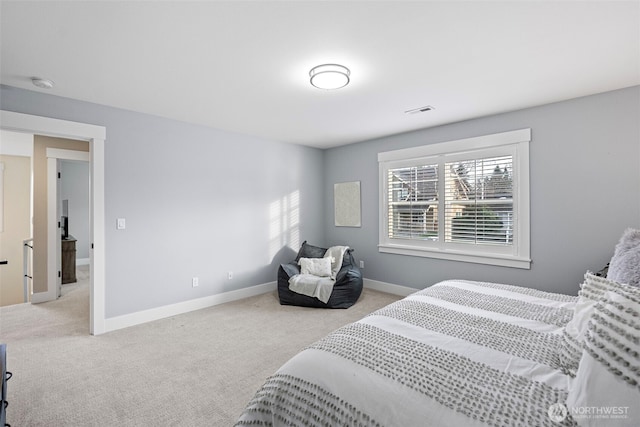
column 195, row 369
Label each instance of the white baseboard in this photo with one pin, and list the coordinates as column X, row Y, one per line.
column 389, row 288
column 82, row 261
column 139, row 317
column 40, row 297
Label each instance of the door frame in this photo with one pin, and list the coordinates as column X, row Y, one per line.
column 54, row 155
column 96, row 136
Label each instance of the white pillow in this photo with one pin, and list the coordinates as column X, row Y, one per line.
column 608, row 377
column 592, row 290
column 316, row 266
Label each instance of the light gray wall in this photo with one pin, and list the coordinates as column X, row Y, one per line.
column 197, row 202
column 74, row 187
column 202, row 202
column 585, row 190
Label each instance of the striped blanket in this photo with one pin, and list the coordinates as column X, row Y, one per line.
column 459, row 353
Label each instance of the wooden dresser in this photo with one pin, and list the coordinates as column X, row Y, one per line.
column 68, row 260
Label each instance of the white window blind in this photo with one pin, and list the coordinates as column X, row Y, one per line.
column 463, row 200
column 413, row 202
column 479, row 201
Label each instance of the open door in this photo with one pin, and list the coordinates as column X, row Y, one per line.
column 59, row 234
column 54, row 213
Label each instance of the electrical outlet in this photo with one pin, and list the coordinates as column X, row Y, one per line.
column 195, row 282
column 230, row 275
column 361, row 264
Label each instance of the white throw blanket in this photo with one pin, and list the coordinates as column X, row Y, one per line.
column 313, row 286
column 336, row 255
column 320, row 287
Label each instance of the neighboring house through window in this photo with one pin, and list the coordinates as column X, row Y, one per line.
column 465, row 200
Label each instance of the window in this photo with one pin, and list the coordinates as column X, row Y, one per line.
column 465, row 200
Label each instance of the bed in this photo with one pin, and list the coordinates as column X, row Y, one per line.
column 468, row 353
column 457, row 353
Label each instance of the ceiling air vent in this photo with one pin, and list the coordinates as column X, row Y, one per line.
column 420, row 110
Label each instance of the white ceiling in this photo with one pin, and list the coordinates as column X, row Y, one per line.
column 244, row 66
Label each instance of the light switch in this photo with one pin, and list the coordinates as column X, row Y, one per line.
column 121, row 224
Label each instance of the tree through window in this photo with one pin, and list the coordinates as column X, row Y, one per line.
column 468, row 198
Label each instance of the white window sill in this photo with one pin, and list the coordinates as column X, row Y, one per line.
column 485, row 258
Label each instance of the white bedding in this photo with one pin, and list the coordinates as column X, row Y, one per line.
column 459, row 353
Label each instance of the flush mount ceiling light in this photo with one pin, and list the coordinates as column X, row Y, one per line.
column 42, row 83
column 329, row 76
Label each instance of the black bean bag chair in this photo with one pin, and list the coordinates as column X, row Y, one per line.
column 346, row 290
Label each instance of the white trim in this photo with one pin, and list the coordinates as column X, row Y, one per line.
column 38, row 125
column 53, row 214
column 488, row 259
column 59, row 153
column 53, row 232
column 139, row 317
column 83, row 261
column 516, row 143
column 97, row 250
column 96, row 136
column 41, row 297
column 389, row 288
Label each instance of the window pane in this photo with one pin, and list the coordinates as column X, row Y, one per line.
column 413, row 198
column 479, row 201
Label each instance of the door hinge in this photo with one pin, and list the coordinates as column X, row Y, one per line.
column 59, row 273
column 59, row 175
column 58, row 224
column 92, row 246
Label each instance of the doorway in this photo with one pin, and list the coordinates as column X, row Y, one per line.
column 95, row 135
column 51, row 224
column 73, row 201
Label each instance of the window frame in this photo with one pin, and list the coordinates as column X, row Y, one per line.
column 515, row 143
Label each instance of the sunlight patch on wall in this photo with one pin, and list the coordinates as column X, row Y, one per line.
column 284, row 223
